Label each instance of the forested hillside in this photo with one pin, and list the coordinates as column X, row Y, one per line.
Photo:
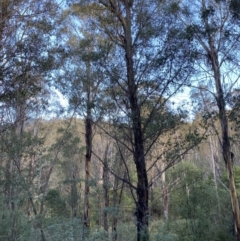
column 96, row 139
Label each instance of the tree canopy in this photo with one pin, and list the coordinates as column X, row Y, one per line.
column 123, row 160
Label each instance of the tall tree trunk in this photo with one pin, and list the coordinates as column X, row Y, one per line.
column 8, row 187
column 123, row 12
column 74, row 196
column 117, row 198
column 88, row 141
column 116, row 204
column 13, row 167
column 164, row 195
column 213, row 157
column 30, row 178
column 88, row 136
column 213, row 59
column 226, row 148
column 20, row 119
column 138, row 155
column 106, row 189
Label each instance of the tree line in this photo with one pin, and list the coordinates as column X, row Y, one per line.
column 119, row 63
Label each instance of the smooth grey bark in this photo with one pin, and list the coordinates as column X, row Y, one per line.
column 212, row 55
column 105, row 177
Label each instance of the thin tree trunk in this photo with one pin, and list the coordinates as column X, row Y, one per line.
column 226, row 149
column 88, row 125
column 88, row 141
column 30, row 179
column 99, row 201
column 116, row 204
column 106, row 189
column 164, row 197
column 13, row 166
column 39, row 225
column 8, row 189
column 212, row 58
column 74, row 196
column 27, row 189
column 214, row 173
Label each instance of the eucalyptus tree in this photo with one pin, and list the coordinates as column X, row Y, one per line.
column 81, row 80
column 148, row 63
column 210, row 25
column 234, row 116
column 25, row 40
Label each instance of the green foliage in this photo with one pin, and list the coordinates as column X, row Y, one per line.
column 126, row 231
column 56, row 206
column 98, row 235
column 190, row 31
column 236, row 170
column 174, row 8
column 155, row 205
column 62, row 228
column 160, row 231
column 92, row 71
column 235, row 8
column 14, row 225
column 237, row 176
column 202, row 209
column 207, row 12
